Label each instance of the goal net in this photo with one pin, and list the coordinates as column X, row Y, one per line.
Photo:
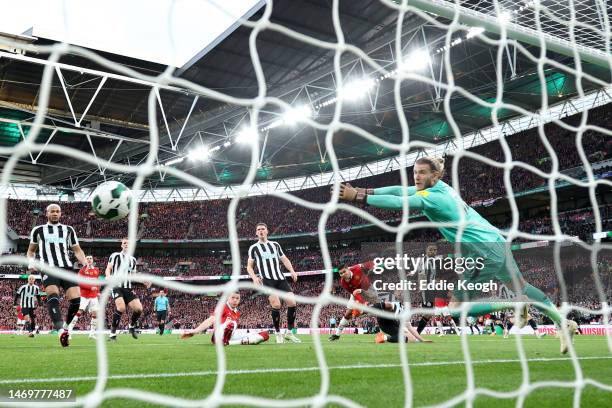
column 539, row 39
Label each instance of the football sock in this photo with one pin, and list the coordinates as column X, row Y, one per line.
column 341, row 326
column 54, row 311
column 162, row 326
column 479, row 309
column 92, row 325
column 422, row 324
column 548, row 308
column 391, row 339
column 135, row 317
column 116, row 320
column 251, row 339
column 290, row 317
column 454, row 326
column 74, row 320
column 276, row 319
column 73, row 308
column 32, row 323
column 533, row 324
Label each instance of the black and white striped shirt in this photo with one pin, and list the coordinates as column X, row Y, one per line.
column 428, row 272
column 123, row 264
column 54, row 241
column 267, row 258
column 28, row 294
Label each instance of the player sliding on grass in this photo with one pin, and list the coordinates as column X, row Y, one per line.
column 389, row 328
column 229, row 324
column 440, row 203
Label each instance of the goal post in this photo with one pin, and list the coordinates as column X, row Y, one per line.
column 528, row 35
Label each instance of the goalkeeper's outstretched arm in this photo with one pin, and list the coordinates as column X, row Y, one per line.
column 394, row 191
column 393, row 202
column 390, row 198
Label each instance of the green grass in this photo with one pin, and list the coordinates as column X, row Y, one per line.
column 437, row 370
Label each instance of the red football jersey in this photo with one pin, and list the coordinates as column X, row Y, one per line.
column 359, row 280
column 229, row 314
column 89, row 291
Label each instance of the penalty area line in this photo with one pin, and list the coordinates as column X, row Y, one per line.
column 288, row 370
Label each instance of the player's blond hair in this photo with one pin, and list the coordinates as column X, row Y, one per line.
column 436, row 164
column 50, row 206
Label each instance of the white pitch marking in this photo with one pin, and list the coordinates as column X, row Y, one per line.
column 286, row 370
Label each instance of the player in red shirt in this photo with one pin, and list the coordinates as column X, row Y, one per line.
column 89, row 296
column 229, row 324
column 353, row 278
column 21, row 320
column 442, row 315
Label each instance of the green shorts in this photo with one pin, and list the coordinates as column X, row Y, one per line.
column 497, row 265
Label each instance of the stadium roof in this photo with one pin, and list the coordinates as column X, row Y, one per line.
column 116, row 125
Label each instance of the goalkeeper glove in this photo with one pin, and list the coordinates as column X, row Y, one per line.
column 356, row 194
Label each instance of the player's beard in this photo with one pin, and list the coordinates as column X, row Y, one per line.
column 428, row 183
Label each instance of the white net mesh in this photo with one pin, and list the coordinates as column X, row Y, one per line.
column 580, row 29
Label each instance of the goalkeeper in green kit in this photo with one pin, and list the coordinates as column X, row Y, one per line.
column 440, row 203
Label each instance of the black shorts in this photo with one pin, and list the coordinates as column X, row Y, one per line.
column 124, row 293
column 332, row 326
column 427, row 304
column 390, row 327
column 51, row 280
column 281, row 285
column 161, row 315
column 28, row 311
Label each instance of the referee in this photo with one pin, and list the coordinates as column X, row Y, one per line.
column 52, row 240
column 161, row 308
column 29, row 296
column 267, row 254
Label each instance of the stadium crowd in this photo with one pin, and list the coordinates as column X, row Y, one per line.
column 188, row 310
column 479, row 184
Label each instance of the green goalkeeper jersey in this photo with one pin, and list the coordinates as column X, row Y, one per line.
column 439, row 203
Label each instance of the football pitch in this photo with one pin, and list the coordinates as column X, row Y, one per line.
column 369, row 374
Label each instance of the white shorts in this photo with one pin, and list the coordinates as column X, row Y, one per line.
column 442, row 311
column 351, row 303
column 88, row 304
column 21, row 322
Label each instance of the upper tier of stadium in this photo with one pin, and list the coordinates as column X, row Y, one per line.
column 480, row 185
column 98, row 107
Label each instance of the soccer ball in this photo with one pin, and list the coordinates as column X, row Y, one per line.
column 111, row 200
